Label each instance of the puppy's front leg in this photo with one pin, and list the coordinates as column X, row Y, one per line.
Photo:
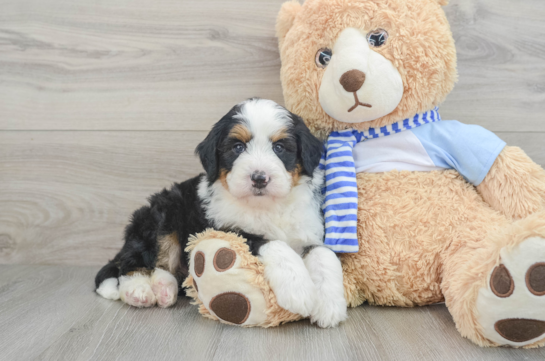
column 326, row 272
column 288, row 277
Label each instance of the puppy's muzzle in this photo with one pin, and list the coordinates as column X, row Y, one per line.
column 259, row 179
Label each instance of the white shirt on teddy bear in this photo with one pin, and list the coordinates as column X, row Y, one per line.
column 470, row 149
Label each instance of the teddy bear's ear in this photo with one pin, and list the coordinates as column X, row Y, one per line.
column 285, row 19
column 443, row 2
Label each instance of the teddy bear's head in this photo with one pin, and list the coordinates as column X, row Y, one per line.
column 364, row 63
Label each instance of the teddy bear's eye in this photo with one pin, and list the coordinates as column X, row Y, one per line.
column 377, row 37
column 323, row 56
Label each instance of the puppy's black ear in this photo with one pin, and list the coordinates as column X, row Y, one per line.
column 309, row 148
column 207, row 151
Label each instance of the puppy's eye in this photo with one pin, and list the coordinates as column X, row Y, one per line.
column 239, row 148
column 377, row 37
column 323, row 57
column 278, row 148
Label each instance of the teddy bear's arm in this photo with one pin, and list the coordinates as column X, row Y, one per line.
column 515, row 185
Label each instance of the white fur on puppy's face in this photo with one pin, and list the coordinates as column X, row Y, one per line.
column 264, row 119
column 382, row 89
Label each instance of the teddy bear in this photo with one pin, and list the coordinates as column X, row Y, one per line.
column 420, row 210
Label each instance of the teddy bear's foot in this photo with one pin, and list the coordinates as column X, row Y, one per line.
column 228, row 282
column 223, row 286
column 511, row 307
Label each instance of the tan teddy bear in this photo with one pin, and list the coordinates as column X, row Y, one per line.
column 438, row 210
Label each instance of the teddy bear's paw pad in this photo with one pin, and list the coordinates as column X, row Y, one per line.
column 224, row 259
column 535, row 279
column 165, row 288
column 511, row 307
column 231, row 307
column 136, row 291
column 198, row 263
column 501, row 282
column 225, row 287
column 520, row 329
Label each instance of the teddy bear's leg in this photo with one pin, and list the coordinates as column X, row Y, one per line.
column 326, row 272
column 495, row 290
column 228, row 282
column 515, row 185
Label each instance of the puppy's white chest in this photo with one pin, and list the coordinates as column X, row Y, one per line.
column 296, row 220
column 285, row 225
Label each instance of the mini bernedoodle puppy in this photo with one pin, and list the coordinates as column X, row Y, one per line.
column 262, row 181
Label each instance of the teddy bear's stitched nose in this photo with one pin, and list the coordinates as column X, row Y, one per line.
column 352, row 80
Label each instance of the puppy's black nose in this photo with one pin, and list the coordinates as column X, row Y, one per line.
column 259, row 179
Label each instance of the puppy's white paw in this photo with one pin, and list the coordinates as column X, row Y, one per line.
column 288, row 277
column 108, row 289
column 326, row 272
column 328, row 311
column 164, row 287
column 135, row 290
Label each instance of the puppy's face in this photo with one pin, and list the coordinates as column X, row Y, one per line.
column 259, row 149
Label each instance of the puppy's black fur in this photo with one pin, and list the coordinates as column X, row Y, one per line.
column 215, row 151
column 179, row 210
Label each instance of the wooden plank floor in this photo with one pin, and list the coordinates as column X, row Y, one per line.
column 52, row 313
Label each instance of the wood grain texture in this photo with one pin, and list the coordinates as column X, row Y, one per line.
column 133, row 64
column 180, row 64
column 52, row 313
column 67, row 196
column 501, row 64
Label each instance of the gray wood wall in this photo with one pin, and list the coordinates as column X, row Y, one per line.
column 103, row 102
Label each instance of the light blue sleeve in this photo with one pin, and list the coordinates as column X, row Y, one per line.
column 470, row 149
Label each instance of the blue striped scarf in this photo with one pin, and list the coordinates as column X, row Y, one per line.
column 341, row 190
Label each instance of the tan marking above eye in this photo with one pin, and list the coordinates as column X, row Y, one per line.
column 241, row 133
column 535, row 279
column 279, row 135
column 501, row 282
column 198, row 263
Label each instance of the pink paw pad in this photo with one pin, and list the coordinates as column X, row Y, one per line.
column 138, row 299
column 164, row 295
column 165, row 288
